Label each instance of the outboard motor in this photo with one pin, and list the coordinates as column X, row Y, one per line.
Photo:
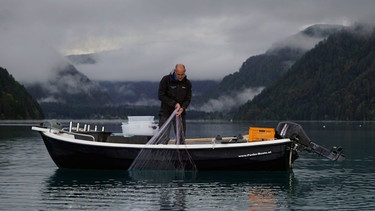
column 295, row 132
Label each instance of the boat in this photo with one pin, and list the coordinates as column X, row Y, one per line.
column 269, row 149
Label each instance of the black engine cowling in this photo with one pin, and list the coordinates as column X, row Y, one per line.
column 295, row 132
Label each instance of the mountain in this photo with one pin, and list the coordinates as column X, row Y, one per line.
column 333, row 81
column 235, row 89
column 145, row 92
column 68, row 86
column 131, row 92
column 70, row 94
column 262, row 70
column 15, row 101
column 135, row 92
column 256, row 73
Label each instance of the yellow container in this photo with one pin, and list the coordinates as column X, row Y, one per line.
column 261, row 134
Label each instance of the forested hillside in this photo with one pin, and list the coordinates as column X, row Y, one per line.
column 333, row 81
column 264, row 69
column 15, row 101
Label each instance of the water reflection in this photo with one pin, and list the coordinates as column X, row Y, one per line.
column 170, row 190
column 13, row 132
column 76, row 177
column 263, row 190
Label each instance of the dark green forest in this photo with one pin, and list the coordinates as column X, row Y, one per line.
column 333, row 81
column 15, row 101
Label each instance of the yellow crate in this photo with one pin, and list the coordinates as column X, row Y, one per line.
column 261, row 134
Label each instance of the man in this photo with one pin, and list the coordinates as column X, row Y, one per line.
column 174, row 93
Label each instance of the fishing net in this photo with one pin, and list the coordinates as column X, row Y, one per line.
column 167, row 158
column 163, row 135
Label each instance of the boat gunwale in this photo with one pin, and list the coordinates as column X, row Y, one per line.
column 58, row 135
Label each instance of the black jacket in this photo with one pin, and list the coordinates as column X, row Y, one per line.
column 172, row 91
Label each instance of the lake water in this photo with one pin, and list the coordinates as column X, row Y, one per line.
column 29, row 180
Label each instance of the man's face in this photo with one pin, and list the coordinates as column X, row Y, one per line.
column 180, row 73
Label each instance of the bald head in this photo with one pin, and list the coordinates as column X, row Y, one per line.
column 180, row 70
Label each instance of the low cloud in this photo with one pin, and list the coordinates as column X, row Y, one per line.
column 228, row 102
column 153, row 60
column 298, row 41
column 27, row 61
column 50, row 99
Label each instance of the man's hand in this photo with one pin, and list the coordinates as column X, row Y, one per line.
column 180, row 109
column 179, row 112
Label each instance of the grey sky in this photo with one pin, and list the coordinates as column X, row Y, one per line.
column 146, row 38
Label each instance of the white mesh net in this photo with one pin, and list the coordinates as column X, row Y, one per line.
column 165, row 158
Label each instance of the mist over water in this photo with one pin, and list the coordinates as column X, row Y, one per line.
column 229, row 101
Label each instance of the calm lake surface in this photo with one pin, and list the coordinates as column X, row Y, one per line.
column 29, row 180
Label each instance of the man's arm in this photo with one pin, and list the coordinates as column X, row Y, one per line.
column 163, row 96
